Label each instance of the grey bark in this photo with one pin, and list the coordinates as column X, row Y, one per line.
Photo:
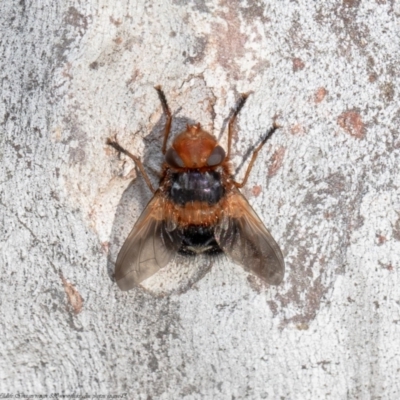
column 326, row 185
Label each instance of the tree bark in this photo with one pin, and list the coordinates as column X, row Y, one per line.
column 326, row 185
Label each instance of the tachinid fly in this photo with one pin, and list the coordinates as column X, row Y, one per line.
column 197, row 209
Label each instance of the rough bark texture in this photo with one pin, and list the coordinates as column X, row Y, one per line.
column 327, row 186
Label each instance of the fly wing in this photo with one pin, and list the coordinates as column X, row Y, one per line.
column 151, row 244
column 242, row 236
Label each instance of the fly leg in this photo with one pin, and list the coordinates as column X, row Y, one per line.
column 138, row 163
column 232, row 120
column 254, row 156
column 167, row 112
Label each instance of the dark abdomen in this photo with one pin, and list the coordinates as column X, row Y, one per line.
column 198, row 239
column 199, row 187
column 196, row 186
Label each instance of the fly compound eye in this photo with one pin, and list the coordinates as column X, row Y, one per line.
column 172, row 158
column 216, row 157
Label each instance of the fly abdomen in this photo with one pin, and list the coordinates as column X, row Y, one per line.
column 196, row 186
column 198, row 239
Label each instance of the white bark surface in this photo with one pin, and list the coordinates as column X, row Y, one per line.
column 326, row 185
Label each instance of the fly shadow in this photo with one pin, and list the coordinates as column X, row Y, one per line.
column 182, row 272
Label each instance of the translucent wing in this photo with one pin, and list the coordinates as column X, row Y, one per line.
column 151, row 244
column 243, row 237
